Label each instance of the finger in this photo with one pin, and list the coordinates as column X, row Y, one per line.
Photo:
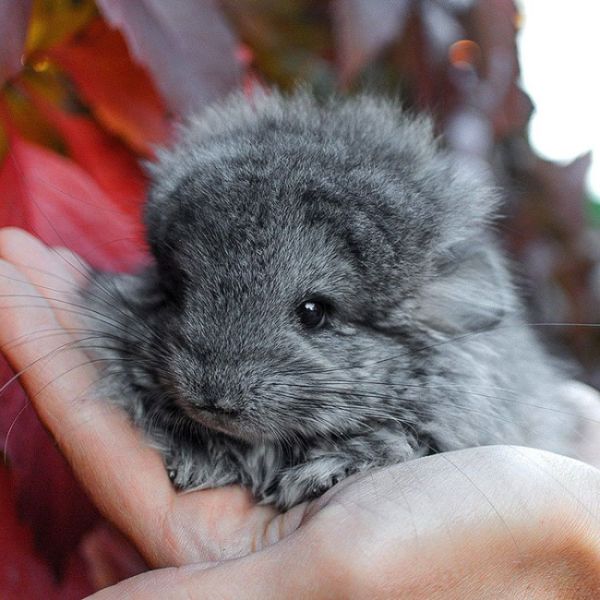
column 55, row 267
column 57, row 273
column 284, row 571
column 126, row 479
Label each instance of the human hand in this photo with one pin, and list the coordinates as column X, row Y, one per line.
column 485, row 522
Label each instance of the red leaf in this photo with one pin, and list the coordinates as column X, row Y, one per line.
column 22, row 573
column 363, row 28
column 115, row 169
column 119, row 92
column 14, row 19
column 103, row 156
column 187, row 45
column 59, row 202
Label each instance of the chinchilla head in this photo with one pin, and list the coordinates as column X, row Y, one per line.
column 304, row 254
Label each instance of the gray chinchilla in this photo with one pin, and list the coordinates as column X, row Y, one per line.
column 326, row 297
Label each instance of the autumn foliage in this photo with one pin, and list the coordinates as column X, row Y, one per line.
column 87, row 92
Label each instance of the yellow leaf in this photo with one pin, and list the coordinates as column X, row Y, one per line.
column 54, row 21
column 52, row 85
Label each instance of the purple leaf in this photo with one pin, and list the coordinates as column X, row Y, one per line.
column 186, row 45
column 441, row 26
column 363, row 28
column 14, row 19
column 455, row 5
column 564, row 191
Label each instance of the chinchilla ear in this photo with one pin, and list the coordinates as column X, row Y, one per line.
column 470, row 292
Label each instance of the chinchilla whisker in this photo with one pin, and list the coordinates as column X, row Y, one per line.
column 320, row 388
column 148, row 362
column 46, row 287
column 287, row 438
column 354, row 394
column 565, row 324
column 514, row 398
column 91, row 361
column 458, row 338
column 457, row 408
column 369, row 363
column 323, row 389
column 46, row 356
column 104, row 300
column 43, row 272
column 50, row 332
column 399, row 386
column 41, row 334
column 310, row 417
column 421, row 385
column 73, row 344
column 144, row 335
column 350, row 409
column 84, row 312
column 433, row 385
column 38, row 285
column 28, row 403
column 88, row 312
column 10, row 429
column 110, row 301
column 450, row 403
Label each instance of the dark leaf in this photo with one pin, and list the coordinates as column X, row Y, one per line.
column 363, row 28
column 23, row 574
column 109, row 557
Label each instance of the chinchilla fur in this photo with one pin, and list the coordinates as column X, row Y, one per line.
column 277, row 210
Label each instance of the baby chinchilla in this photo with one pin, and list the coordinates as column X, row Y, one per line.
column 325, row 298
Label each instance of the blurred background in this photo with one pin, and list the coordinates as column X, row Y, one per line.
column 88, row 89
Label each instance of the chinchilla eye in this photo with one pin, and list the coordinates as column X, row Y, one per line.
column 312, row 314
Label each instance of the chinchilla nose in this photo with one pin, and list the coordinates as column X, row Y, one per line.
column 218, row 399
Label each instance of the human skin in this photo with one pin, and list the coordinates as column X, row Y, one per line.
column 492, row 522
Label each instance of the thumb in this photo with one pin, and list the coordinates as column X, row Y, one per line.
column 285, row 570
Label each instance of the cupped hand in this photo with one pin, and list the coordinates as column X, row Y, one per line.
column 495, row 522
column 41, row 336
